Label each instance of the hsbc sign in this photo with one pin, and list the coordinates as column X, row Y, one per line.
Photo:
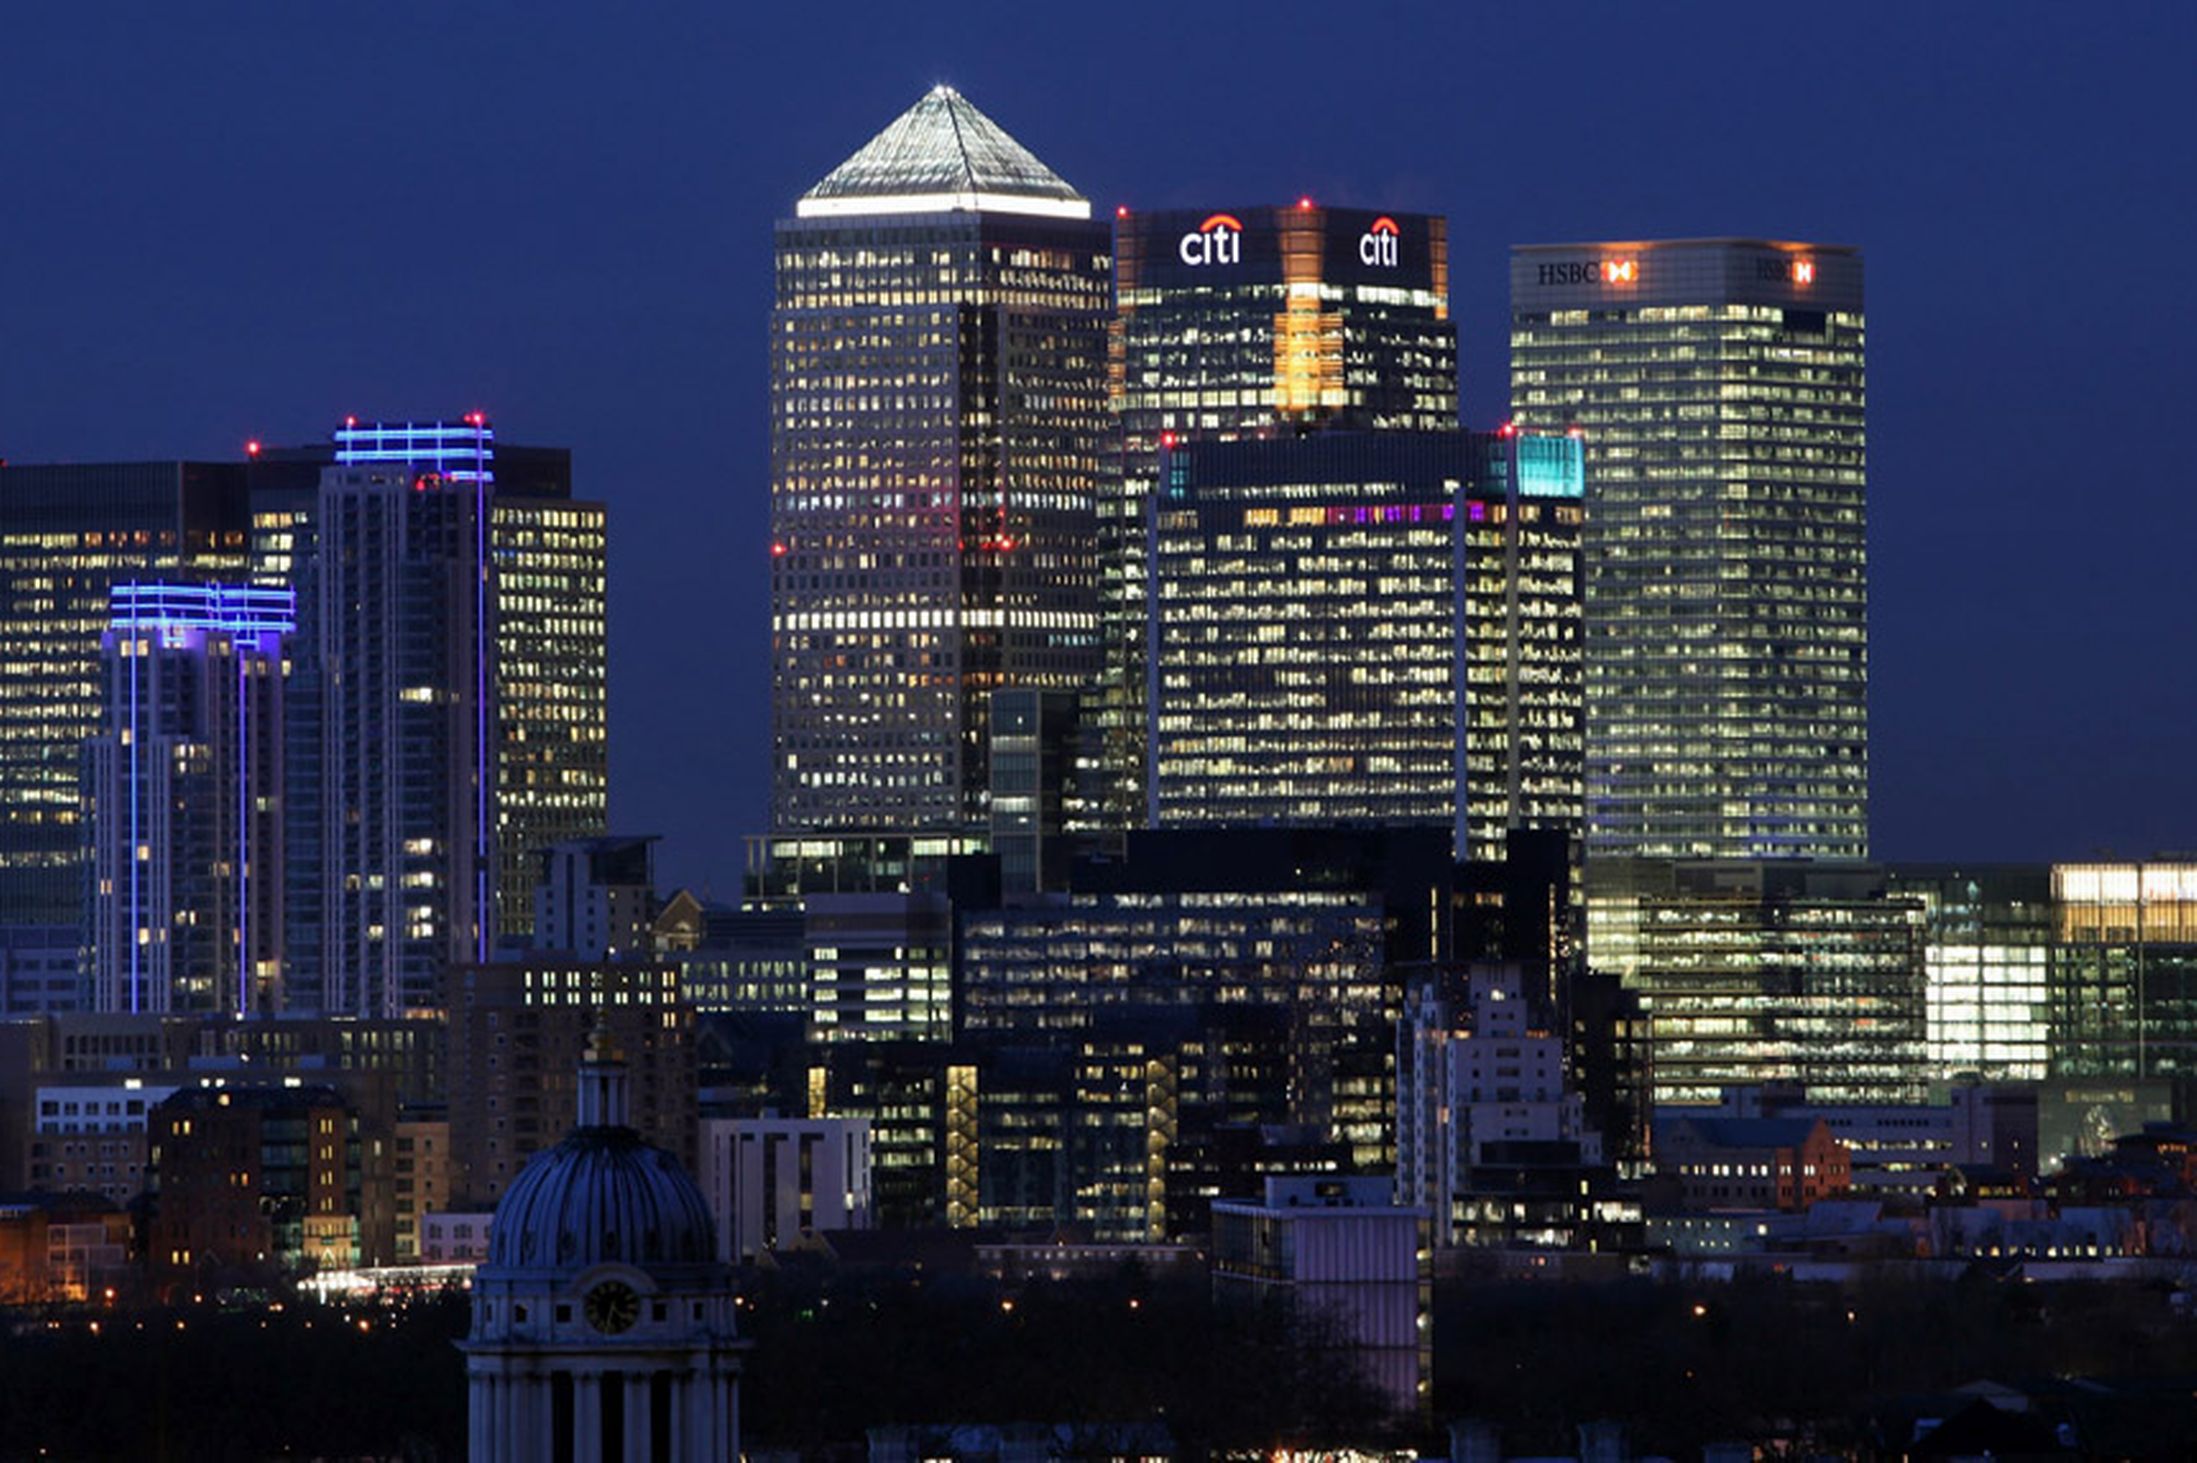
column 1219, row 240
column 1591, row 271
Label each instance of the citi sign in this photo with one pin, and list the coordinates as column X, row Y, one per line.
column 1219, row 240
column 1378, row 244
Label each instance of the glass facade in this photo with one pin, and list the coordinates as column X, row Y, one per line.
column 1368, row 628
column 1987, row 946
column 1035, row 735
column 937, row 411
column 1720, row 385
column 2124, row 971
column 880, row 967
column 1068, row 964
column 451, row 697
column 183, row 798
column 1252, row 322
column 1757, row 971
column 68, row 536
column 550, row 558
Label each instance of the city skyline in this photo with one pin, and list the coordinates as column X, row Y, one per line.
column 1997, row 201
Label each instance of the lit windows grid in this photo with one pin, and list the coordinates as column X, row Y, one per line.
column 1316, row 641
column 1212, row 360
column 1727, row 660
column 2124, row 969
column 937, row 416
column 68, row 536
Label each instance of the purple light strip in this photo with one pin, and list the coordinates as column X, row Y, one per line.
column 136, row 747
column 480, row 698
column 243, row 844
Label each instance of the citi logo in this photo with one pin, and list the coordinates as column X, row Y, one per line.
column 1378, row 244
column 1219, row 240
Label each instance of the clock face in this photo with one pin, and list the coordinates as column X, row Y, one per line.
column 612, row 1307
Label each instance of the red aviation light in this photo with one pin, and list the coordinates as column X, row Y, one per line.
column 1508, row 429
column 475, row 419
column 1121, row 210
column 1168, row 441
column 778, row 550
column 1304, row 203
column 251, row 448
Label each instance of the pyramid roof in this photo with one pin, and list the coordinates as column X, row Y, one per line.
column 940, row 156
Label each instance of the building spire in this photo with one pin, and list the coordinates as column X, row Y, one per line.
column 604, row 1085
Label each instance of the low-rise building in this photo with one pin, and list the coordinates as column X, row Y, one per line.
column 61, row 1247
column 1349, row 1258
column 91, row 1136
column 1751, row 1163
column 772, row 1181
column 422, row 1183
column 252, row 1180
column 455, row 1236
column 1475, row 1071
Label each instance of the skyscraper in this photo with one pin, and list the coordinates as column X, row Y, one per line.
column 183, row 793
column 937, row 409
column 68, row 535
column 1368, row 628
column 1251, row 322
column 1720, row 385
column 456, row 686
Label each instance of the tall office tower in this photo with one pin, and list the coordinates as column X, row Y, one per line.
column 68, row 536
column 462, row 695
column 183, row 795
column 1368, row 628
column 1720, row 386
column 937, row 409
column 1252, row 322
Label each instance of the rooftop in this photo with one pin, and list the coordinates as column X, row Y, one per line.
column 942, row 155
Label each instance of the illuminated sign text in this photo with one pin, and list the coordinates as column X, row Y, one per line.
column 1219, row 240
column 1378, row 244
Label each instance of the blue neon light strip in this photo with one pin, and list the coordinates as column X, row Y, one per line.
column 235, row 609
column 439, row 444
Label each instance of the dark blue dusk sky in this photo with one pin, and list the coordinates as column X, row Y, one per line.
column 235, row 220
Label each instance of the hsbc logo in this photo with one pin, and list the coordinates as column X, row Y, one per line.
column 1219, row 240
column 1591, row 271
column 1377, row 246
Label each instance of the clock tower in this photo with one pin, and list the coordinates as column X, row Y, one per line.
column 603, row 1321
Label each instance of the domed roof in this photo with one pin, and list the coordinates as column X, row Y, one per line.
column 601, row 1194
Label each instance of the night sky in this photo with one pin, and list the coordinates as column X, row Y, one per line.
column 559, row 212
